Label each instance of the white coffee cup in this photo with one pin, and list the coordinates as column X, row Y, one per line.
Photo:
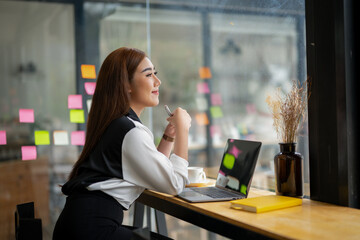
column 196, row 175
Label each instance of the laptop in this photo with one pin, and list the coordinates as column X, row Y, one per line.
column 234, row 176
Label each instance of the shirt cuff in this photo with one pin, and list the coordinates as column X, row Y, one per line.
column 180, row 165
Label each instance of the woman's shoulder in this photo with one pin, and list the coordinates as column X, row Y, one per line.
column 122, row 123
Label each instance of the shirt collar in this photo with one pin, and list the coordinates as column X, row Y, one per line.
column 131, row 114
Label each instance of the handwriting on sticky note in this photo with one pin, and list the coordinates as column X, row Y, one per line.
column 90, row 87
column 61, row 138
column 88, row 71
column 77, row 116
column 205, row 73
column 42, row 138
column 28, row 153
column 75, row 101
column 2, row 137
column 26, row 115
column 78, row 138
column 202, row 119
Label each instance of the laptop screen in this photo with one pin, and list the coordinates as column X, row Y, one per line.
column 238, row 165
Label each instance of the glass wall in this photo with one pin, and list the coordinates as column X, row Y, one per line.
column 217, row 61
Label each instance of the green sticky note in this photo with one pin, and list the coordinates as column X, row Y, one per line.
column 243, row 189
column 216, row 112
column 77, row 116
column 229, row 161
column 42, row 138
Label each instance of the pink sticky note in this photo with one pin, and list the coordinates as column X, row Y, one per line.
column 2, row 137
column 235, row 151
column 250, row 108
column 26, row 115
column 28, row 152
column 216, row 99
column 203, row 87
column 215, row 130
column 78, row 138
column 75, row 101
column 90, row 87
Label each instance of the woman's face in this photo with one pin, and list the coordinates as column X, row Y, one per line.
column 144, row 87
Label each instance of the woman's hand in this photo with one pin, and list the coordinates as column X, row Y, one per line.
column 181, row 120
column 170, row 130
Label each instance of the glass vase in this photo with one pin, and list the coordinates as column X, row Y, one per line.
column 288, row 171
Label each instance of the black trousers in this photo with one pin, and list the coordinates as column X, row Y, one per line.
column 91, row 215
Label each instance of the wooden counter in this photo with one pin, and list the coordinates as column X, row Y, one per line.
column 312, row 220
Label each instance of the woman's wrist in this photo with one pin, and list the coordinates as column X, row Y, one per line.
column 168, row 138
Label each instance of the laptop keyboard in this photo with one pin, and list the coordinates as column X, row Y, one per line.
column 215, row 192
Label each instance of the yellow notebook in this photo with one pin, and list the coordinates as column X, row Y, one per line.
column 265, row 203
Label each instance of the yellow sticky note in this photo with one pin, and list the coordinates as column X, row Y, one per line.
column 204, row 72
column 88, row 71
column 42, row 138
column 202, row 119
column 77, row 116
column 216, row 112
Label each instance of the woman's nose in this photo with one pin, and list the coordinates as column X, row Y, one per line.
column 157, row 81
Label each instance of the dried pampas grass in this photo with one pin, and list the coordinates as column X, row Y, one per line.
column 288, row 111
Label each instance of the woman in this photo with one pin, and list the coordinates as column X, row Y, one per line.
column 119, row 159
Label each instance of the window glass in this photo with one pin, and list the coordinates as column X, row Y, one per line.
column 217, row 61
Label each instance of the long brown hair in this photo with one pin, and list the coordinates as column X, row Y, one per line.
column 111, row 97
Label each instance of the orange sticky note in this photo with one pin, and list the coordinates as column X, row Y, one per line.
column 90, row 87
column 78, row 138
column 26, row 115
column 202, row 119
column 88, row 71
column 28, row 152
column 205, row 73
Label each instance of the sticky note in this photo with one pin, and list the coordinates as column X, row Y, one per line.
column 75, row 101
column 61, row 138
column 42, row 138
column 202, row 104
column 229, row 161
column 215, row 130
column 216, row 99
column 216, row 112
column 78, row 138
column 88, row 71
column 204, row 72
column 90, row 87
column 250, row 108
column 202, row 119
column 88, row 104
column 203, row 87
column 235, row 151
column 2, row 137
column 243, row 189
column 77, row 116
column 28, row 153
column 26, row 115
